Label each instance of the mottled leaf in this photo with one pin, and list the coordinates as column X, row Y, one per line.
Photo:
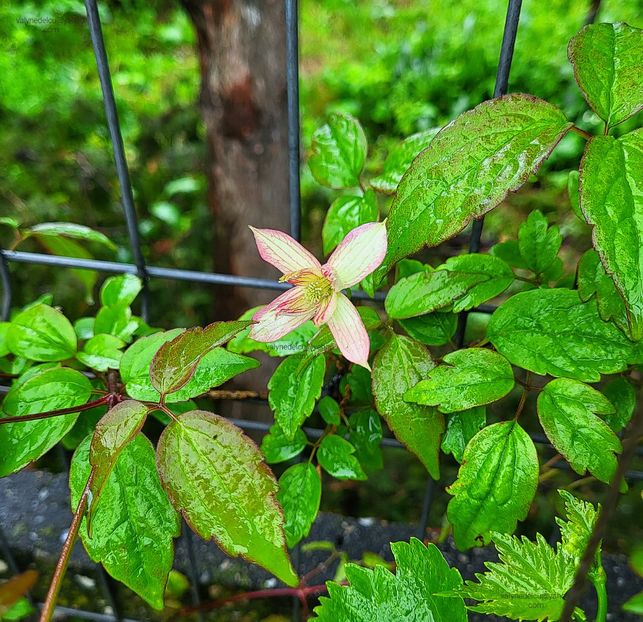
column 567, row 411
column 550, row 331
column 345, row 214
column 216, row 477
column 496, row 484
column 398, row 366
column 299, row 495
column 468, row 378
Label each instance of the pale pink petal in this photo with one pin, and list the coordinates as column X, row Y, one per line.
column 284, row 253
column 274, row 325
column 358, row 254
column 291, row 301
column 349, row 332
column 325, row 311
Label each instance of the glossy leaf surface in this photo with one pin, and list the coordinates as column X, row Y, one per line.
column 120, row 290
column 216, row 477
column 345, row 214
column 468, row 169
column 538, row 242
column 496, row 484
column 294, row 388
column 50, row 389
column 433, row 329
column 461, row 428
column 468, row 378
column 277, row 448
column 399, row 366
column 299, row 495
column 71, row 230
column 550, row 331
column 102, row 352
column 134, row 525
column 611, row 197
column 415, row 593
column 622, row 396
column 567, row 411
column 335, row 456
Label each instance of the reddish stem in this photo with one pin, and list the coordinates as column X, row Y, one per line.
column 105, row 400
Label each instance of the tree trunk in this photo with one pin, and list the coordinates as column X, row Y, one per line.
column 241, row 46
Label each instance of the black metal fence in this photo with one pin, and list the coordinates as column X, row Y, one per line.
column 147, row 272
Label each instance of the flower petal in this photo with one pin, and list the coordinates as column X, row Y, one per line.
column 274, row 325
column 358, row 254
column 349, row 332
column 283, row 252
column 292, row 301
column 325, row 310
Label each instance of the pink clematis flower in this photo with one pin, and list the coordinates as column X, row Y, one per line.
column 317, row 289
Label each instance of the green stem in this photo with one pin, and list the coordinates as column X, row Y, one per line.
column 598, row 580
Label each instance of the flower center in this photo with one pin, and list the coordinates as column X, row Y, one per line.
column 318, row 289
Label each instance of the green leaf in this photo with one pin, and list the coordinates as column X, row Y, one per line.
column 400, row 158
column 577, row 529
column 549, row 331
column 496, row 484
column 433, row 329
column 50, row 389
column 84, row 327
column 461, row 428
column 294, row 388
column 566, row 411
column 468, row 169
column 112, row 434
column 299, row 495
column 4, row 345
column 116, row 320
column 357, row 382
column 634, row 604
column 338, row 152
column 415, row 593
column 622, row 395
column 528, row 583
column 592, row 279
column 345, row 214
column 509, row 252
column 606, row 59
column 612, row 201
column 216, row 477
column 335, row 456
column 120, row 290
column 459, row 284
column 366, row 436
column 71, row 230
column 573, row 193
column 9, row 222
column 398, row 366
column 277, row 448
column 329, row 410
column 42, row 333
column 469, row 378
column 134, row 525
column 176, row 361
column 84, row 425
column 538, row 243
column 102, row 352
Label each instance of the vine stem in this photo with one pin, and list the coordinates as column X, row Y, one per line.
column 599, row 580
column 61, row 567
column 105, row 400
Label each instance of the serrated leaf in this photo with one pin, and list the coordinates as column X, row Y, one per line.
column 528, row 583
column 538, row 243
column 592, row 279
column 577, row 529
column 566, row 409
column 468, row 169
column 345, row 214
column 335, row 456
column 42, row 333
column 299, row 495
column 338, row 152
column 433, row 329
column 277, row 448
column 414, row 594
column 461, row 428
column 400, row 158
column 71, row 230
column 468, row 378
column 496, row 484
column 550, row 331
column 622, row 396
column 294, row 388
column 606, row 59
column 176, row 360
column 113, row 432
column 49, row 389
column 102, row 352
column 216, row 478
column 120, row 290
column 611, row 198
column 398, row 366
column 459, row 284
column 134, row 525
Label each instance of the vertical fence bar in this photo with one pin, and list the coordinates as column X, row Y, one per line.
column 5, row 279
column 96, row 33
column 292, row 88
